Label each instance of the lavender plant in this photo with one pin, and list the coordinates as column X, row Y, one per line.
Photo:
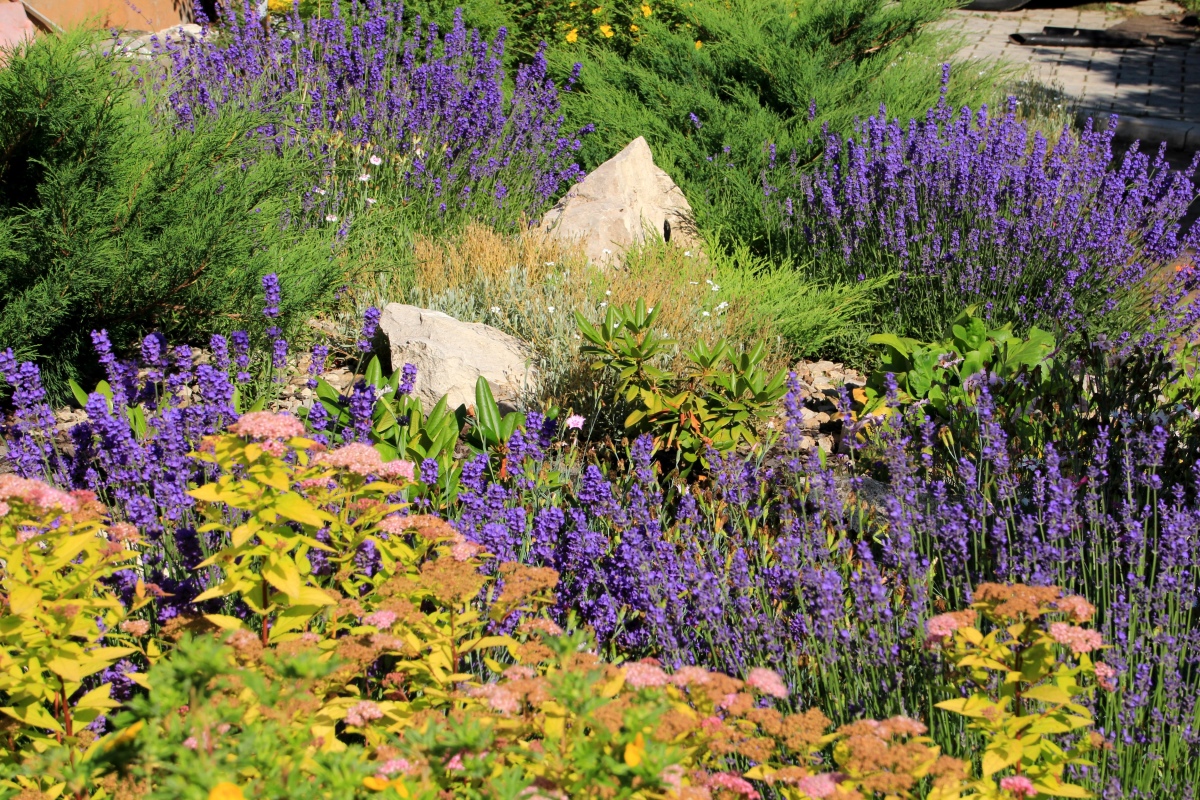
column 974, row 208
column 403, row 119
column 801, row 562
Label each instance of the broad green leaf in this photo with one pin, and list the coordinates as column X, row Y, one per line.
column 283, row 575
column 294, row 507
column 23, row 599
column 487, row 412
column 81, row 396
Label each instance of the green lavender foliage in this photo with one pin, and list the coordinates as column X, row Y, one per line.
column 760, row 65
column 109, row 220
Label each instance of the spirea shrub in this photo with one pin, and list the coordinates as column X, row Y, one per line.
column 400, row 687
column 823, row 567
column 404, row 119
column 974, row 208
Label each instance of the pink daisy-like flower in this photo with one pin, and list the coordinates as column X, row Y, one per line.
column 1106, row 676
column 380, row 619
column 733, row 783
column 1018, row 785
column 575, row 422
column 190, row 743
column 375, row 161
column 1080, row 640
column 362, row 713
column 817, row 787
column 642, row 676
column 262, row 425
column 455, row 762
column 768, row 682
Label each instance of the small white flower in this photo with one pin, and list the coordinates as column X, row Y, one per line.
column 549, row 263
column 709, row 282
column 364, row 177
column 651, row 309
column 694, row 283
column 608, row 292
column 606, row 251
column 705, row 313
column 716, row 288
column 331, row 217
column 495, row 309
column 550, row 309
column 319, row 190
column 722, row 306
column 370, row 201
column 687, row 253
column 375, row 161
column 602, row 305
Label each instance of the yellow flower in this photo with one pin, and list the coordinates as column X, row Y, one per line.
column 226, row 791
column 645, row 10
column 635, row 750
column 699, row 44
column 607, row 31
column 573, row 36
column 633, row 28
column 279, row 6
column 597, row 9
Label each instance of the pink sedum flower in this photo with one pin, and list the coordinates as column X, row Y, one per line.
column 643, row 676
column 498, row 698
column 190, row 743
column 1080, row 640
column 817, row 787
column 768, row 682
column 380, row 619
column 260, row 425
column 1018, row 786
column 362, row 713
column 362, row 459
column 1106, row 676
column 394, row 765
column 732, row 783
column 691, row 676
column 942, row 625
column 1079, row 608
column 36, row 493
column 136, row 627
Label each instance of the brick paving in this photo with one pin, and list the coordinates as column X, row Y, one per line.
column 1161, row 82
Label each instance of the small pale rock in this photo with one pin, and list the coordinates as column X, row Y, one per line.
column 619, row 203
column 451, row 355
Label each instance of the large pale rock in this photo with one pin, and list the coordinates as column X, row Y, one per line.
column 451, row 355
column 621, row 202
column 15, row 26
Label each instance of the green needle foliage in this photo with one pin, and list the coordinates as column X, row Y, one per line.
column 109, row 220
column 750, row 82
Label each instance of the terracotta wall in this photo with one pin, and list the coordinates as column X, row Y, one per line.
column 132, row 15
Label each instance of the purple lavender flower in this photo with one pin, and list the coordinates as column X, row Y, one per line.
column 270, row 284
column 370, row 326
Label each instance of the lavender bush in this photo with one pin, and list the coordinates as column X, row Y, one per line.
column 780, row 558
column 402, row 117
column 974, row 208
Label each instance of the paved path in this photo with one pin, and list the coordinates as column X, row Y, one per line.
column 1156, row 82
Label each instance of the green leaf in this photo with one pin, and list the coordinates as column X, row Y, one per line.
column 294, row 507
column 81, row 396
column 1048, row 693
column 374, row 373
column 487, row 411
